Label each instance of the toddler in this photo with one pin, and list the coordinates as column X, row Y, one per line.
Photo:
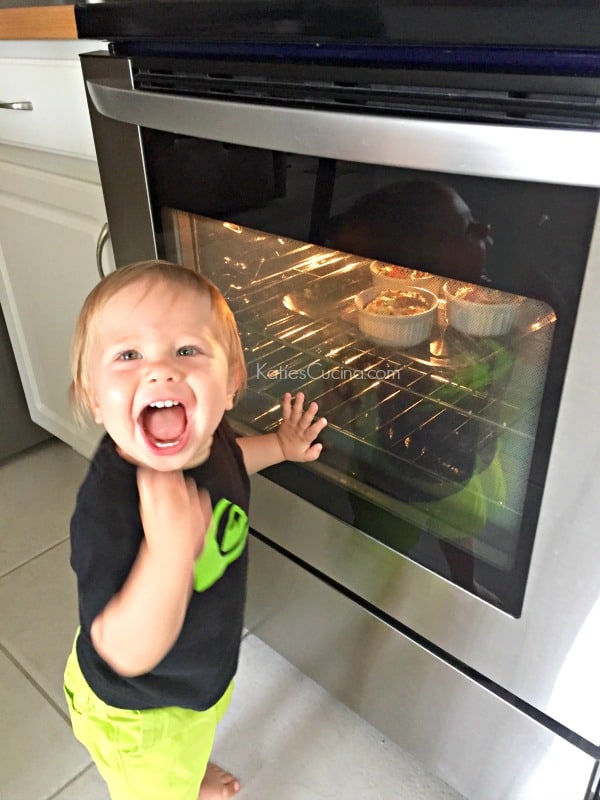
column 158, row 535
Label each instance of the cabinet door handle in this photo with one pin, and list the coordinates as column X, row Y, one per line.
column 18, row 105
column 102, row 239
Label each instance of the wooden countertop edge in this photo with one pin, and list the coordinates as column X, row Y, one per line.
column 38, row 22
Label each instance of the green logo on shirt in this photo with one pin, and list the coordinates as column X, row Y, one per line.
column 225, row 540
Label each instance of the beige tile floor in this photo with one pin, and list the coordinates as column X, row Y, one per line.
column 310, row 747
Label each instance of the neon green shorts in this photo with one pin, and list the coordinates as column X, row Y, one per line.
column 153, row 754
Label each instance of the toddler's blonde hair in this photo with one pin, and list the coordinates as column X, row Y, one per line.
column 153, row 270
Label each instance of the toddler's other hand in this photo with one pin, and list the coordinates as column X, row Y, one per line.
column 298, row 429
column 175, row 513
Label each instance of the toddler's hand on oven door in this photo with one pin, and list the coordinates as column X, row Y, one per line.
column 299, row 429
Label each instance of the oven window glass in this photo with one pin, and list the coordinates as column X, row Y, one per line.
column 428, row 315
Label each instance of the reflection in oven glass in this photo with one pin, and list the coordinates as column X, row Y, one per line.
column 423, row 225
column 440, row 434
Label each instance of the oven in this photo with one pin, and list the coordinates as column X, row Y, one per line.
column 407, row 231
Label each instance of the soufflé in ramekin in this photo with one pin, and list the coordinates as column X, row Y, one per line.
column 390, row 276
column 479, row 311
column 400, row 317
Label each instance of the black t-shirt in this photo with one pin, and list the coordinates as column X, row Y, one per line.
column 106, row 533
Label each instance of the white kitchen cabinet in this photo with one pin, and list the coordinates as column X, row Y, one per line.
column 49, row 231
column 53, row 114
column 51, row 216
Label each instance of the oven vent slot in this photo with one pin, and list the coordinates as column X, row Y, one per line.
column 477, row 105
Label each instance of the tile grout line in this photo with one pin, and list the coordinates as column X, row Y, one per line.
column 70, row 782
column 33, row 558
column 31, row 680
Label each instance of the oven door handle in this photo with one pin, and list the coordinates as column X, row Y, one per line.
column 544, row 155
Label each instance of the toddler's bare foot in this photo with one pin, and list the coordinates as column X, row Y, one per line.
column 218, row 784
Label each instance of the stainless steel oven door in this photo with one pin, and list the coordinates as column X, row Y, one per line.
column 545, row 658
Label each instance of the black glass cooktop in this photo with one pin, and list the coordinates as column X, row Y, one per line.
column 547, row 25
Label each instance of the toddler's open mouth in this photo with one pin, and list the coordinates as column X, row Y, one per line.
column 164, row 425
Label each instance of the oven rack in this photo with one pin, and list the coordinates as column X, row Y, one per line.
column 466, row 380
column 417, row 426
column 385, row 480
column 418, row 423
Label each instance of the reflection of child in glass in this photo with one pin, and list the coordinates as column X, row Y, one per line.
column 421, row 224
column 159, row 531
column 426, row 225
